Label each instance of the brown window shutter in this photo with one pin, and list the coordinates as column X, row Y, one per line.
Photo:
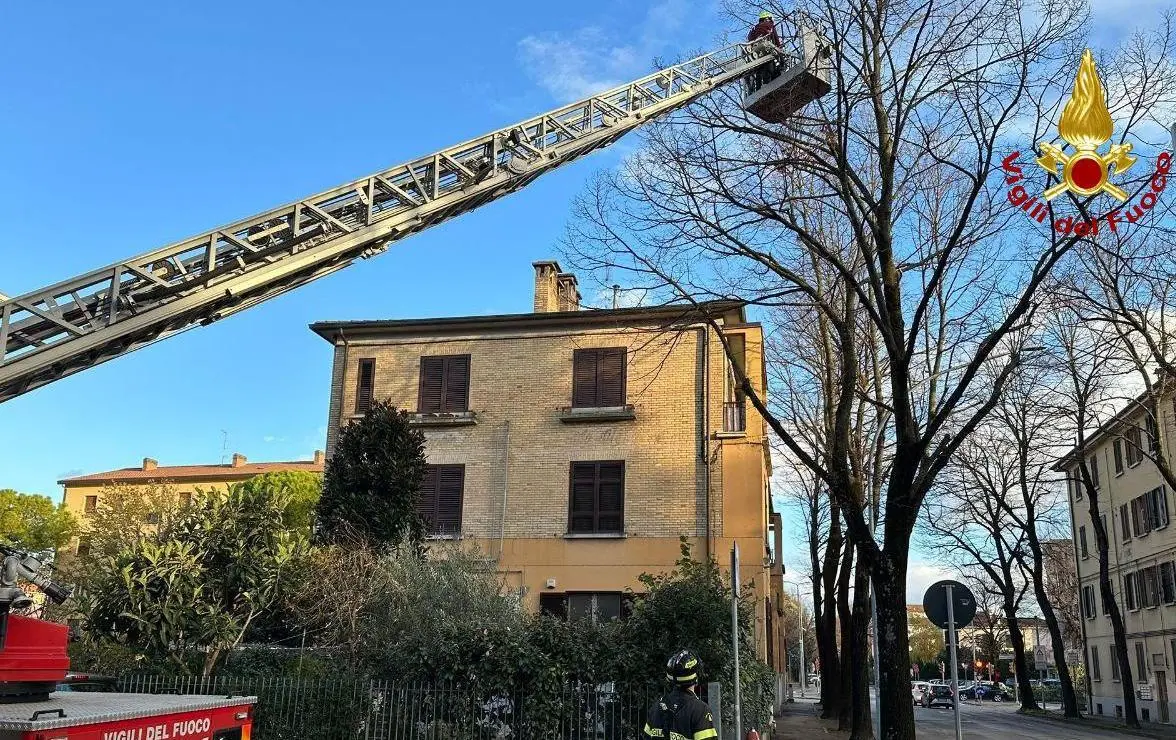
column 365, row 386
column 432, row 385
column 457, row 384
column 610, row 515
column 582, row 498
column 427, row 503
column 584, row 371
column 450, row 482
column 611, row 377
column 596, row 499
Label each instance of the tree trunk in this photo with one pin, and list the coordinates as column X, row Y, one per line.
column 1037, row 572
column 1130, row 714
column 897, row 720
column 861, row 721
column 831, row 696
column 816, row 580
column 845, row 619
column 1024, row 687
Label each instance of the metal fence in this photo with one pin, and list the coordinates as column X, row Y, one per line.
column 360, row 709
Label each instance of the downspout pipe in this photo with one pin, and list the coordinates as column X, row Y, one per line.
column 505, row 489
column 704, row 341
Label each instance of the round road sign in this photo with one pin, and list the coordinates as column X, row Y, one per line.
column 963, row 604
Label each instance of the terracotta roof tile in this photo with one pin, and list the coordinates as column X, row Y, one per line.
column 194, row 472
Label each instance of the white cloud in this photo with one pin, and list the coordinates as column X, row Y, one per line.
column 269, row 438
column 921, row 574
column 625, row 298
column 592, row 59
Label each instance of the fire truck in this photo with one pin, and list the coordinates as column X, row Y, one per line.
column 33, row 660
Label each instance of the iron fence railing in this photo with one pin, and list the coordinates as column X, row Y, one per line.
column 361, row 709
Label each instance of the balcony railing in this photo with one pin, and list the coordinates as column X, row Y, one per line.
column 734, row 417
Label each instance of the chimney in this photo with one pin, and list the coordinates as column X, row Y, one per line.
column 546, row 286
column 319, row 457
column 568, row 289
column 150, row 463
column 239, row 460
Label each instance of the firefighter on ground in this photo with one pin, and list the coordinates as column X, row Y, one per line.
column 680, row 714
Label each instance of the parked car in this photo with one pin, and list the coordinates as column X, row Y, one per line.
column 918, row 688
column 87, row 682
column 992, row 691
column 938, row 694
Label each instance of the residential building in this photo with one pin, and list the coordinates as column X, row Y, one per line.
column 1134, row 505
column 83, row 493
column 575, row 447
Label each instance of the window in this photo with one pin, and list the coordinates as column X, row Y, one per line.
column 1088, row 602
column 1140, row 520
column 1168, row 582
column 1082, row 542
column 1076, row 482
column 91, row 504
column 441, row 495
column 590, row 606
column 185, row 498
column 1129, row 591
column 1114, row 663
column 1134, row 448
column 1153, row 437
column 598, row 377
column 1140, row 662
column 1095, row 669
column 1147, row 586
column 1172, row 645
column 596, row 499
column 1106, row 606
column 1156, row 501
column 365, row 385
column 594, row 607
column 1094, row 470
column 1125, row 522
column 445, row 385
column 83, row 547
column 1118, row 457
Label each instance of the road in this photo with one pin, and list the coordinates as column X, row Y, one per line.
column 996, row 722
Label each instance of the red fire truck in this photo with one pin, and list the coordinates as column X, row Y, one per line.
column 33, row 660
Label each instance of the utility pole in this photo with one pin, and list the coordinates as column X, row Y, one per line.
column 801, row 622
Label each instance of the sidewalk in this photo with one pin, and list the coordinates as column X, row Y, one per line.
column 799, row 721
column 1110, row 725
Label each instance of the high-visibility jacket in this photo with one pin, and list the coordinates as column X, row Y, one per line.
column 680, row 715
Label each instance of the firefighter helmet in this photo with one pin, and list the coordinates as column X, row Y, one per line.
column 765, row 14
column 683, row 668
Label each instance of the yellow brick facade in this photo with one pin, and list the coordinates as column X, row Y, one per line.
column 684, row 475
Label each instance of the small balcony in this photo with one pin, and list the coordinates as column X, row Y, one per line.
column 443, row 419
column 734, row 417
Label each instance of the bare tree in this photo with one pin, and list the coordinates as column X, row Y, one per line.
column 971, row 517
column 1028, row 428
column 1090, row 369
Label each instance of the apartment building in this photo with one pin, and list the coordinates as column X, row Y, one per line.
column 575, row 447
column 1134, row 504
column 83, row 493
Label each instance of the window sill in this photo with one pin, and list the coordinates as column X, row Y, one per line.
column 443, row 419
column 442, row 537
column 730, row 435
column 594, row 536
column 571, row 415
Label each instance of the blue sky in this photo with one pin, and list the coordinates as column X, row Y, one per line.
column 126, row 126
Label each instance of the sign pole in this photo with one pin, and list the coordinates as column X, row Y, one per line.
column 955, row 665
column 735, row 634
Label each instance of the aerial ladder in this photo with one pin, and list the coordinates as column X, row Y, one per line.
column 75, row 324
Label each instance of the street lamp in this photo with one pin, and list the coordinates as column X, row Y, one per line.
column 800, row 621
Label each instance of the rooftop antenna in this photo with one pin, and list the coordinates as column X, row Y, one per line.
column 617, row 288
column 224, row 446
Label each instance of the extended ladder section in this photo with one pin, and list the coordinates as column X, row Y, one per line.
column 59, row 330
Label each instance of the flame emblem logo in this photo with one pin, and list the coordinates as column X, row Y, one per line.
column 1085, row 125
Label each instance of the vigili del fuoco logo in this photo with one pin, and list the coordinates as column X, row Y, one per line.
column 1083, row 168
